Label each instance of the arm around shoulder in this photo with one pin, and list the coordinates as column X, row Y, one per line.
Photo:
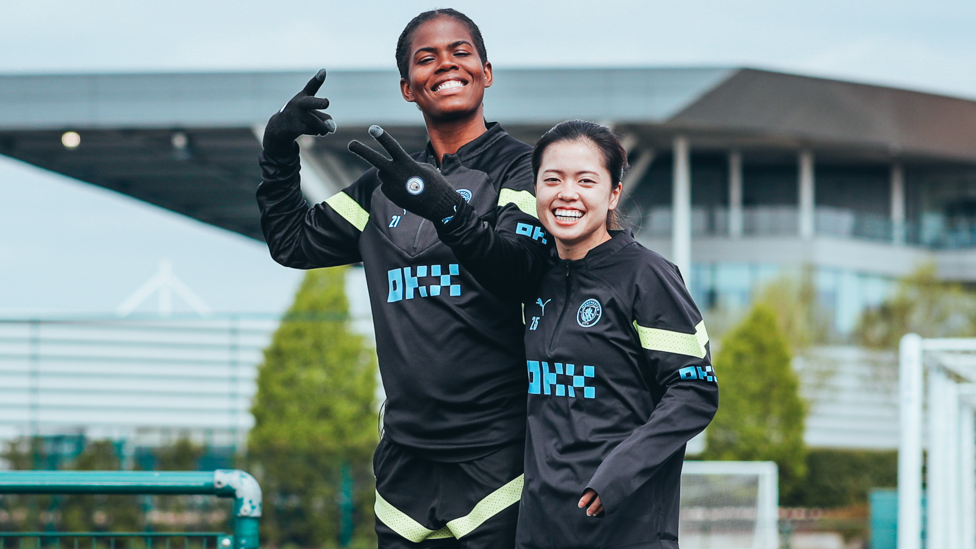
column 508, row 250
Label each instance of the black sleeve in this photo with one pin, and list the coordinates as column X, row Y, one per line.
column 507, row 250
column 675, row 344
column 309, row 237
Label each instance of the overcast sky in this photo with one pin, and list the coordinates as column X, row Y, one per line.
column 71, row 248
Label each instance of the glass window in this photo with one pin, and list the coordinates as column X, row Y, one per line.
column 942, row 205
column 733, row 284
column 703, row 285
column 764, row 273
column 850, row 301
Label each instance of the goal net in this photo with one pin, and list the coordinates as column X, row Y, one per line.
column 729, row 505
column 937, row 391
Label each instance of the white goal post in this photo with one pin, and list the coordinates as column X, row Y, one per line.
column 937, row 376
column 729, row 504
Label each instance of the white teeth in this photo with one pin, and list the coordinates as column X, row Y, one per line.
column 571, row 214
column 448, row 85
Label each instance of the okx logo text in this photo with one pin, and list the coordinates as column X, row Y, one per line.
column 423, row 281
column 560, row 379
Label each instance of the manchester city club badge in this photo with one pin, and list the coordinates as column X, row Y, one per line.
column 415, row 185
column 589, row 313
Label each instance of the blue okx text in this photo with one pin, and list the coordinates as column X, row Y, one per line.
column 542, row 381
column 404, row 284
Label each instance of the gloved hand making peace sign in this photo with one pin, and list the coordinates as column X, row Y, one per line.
column 300, row 116
column 415, row 187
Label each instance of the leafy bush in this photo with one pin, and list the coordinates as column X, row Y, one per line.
column 315, row 422
column 922, row 304
column 761, row 416
column 842, row 478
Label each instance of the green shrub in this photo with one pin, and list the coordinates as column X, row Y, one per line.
column 840, row 478
column 315, row 421
column 761, row 416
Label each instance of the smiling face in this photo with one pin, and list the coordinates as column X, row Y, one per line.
column 573, row 196
column 446, row 77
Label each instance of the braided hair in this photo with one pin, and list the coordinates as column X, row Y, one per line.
column 406, row 37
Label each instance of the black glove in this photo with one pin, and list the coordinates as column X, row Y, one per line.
column 415, row 187
column 298, row 117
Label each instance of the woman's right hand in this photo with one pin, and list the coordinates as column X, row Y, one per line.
column 416, row 187
column 300, row 116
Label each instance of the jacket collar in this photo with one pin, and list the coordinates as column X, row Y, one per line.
column 471, row 149
column 618, row 241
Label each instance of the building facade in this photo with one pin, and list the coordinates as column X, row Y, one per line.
column 738, row 175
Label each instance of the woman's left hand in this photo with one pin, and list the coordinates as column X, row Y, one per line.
column 591, row 498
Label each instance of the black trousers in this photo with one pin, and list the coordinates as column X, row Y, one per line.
column 426, row 504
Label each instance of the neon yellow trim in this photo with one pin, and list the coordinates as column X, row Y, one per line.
column 349, row 209
column 674, row 342
column 400, row 523
column 494, row 503
column 491, row 505
column 524, row 200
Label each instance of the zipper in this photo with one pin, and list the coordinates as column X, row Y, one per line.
column 416, row 239
column 562, row 313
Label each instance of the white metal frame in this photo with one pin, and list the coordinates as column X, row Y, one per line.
column 950, row 519
column 767, row 512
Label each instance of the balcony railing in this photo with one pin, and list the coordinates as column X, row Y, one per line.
column 948, row 232
column 935, row 231
column 846, row 223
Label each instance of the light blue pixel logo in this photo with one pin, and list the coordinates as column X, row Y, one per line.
column 542, row 381
column 531, row 231
column 697, row 372
column 406, row 285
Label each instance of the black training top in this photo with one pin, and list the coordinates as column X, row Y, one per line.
column 450, row 352
column 619, row 381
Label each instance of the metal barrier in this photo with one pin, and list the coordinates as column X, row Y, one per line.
column 224, row 483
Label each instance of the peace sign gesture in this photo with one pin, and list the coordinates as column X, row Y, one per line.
column 300, row 116
column 415, row 187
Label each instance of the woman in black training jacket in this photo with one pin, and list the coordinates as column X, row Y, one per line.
column 449, row 465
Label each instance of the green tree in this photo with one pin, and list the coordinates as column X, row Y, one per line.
column 100, row 513
column 184, row 513
column 26, row 512
column 96, row 513
column 315, row 420
column 792, row 296
column 23, row 454
column 182, row 455
column 761, row 415
column 793, row 299
column 922, row 304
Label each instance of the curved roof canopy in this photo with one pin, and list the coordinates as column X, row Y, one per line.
column 187, row 142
